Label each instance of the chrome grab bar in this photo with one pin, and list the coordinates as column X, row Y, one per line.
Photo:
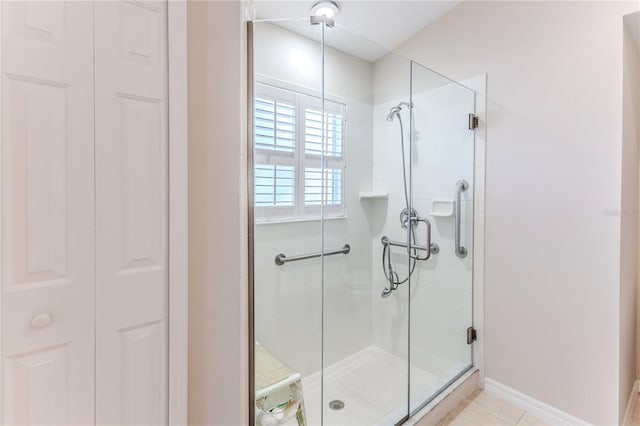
column 431, row 248
column 387, row 242
column 281, row 259
column 461, row 186
column 428, row 225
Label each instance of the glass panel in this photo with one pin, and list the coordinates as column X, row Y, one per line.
column 318, row 188
column 365, row 344
column 367, row 148
column 287, row 297
column 442, row 149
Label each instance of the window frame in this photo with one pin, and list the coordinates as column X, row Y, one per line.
column 299, row 158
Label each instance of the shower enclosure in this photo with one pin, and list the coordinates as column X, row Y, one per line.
column 361, row 179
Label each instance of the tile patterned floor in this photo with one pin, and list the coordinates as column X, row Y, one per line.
column 635, row 416
column 485, row 409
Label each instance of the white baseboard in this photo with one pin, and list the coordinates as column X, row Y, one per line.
column 536, row 408
column 631, row 405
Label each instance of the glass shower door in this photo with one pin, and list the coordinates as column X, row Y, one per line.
column 357, row 153
column 442, row 180
column 287, row 233
column 365, row 336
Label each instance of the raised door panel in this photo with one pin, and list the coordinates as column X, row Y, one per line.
column 132, row 213
column 47, row 213
column 143, row 397
column 31, row 378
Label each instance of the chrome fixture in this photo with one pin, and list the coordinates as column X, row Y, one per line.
column 327, row 9
column 396, row 110
column 281, row 259
column 405, row 217
column 324, row 12
column 474, row 121
column 461, row 186
column 409, row 219
column 432, row 249
column 336, row 404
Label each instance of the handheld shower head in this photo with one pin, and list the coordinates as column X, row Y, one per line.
column 393, row 112
column 396, row 110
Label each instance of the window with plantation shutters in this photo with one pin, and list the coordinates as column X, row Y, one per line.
column 289, row 179
column 275, row 126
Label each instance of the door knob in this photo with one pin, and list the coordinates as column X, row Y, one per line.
column 41, row 320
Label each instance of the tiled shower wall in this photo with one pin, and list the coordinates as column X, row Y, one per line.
column 288, row 298
column 442, row 153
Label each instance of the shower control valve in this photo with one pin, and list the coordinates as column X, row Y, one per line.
column 404, row 217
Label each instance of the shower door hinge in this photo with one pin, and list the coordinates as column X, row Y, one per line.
column 473, row 121
column 472, row 335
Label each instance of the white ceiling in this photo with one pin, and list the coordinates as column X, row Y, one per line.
column 386, row 23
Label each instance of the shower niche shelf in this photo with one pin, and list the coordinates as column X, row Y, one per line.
column 373, row 195
column 442, row 208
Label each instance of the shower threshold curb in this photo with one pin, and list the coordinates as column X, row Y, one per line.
column 445, row 403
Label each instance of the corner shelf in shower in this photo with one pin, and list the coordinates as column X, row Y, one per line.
column 373, row 195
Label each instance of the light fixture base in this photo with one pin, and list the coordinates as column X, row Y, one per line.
column 326, row 8
column 315, row 20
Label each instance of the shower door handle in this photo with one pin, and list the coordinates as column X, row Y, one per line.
column 461, row 186
column 430, row 248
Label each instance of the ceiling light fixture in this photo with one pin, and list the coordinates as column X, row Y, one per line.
column 327, row 9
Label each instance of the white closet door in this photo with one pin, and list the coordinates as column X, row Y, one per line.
column 47, row 213
column 131, row 212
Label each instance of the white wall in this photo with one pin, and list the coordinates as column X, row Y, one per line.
column 288, row 298
column 553, row 179
column 218, row 350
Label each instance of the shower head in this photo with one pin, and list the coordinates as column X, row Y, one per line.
column 392, row 112
column 396, row 110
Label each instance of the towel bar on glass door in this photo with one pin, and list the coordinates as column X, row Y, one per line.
column 281, row 259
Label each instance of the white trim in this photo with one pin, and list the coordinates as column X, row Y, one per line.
column 537, row 408
column 178, row 213
column 292, row 87
column 1, row 236
column 631, row 404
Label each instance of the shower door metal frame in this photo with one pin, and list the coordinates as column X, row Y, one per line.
column 250, row 222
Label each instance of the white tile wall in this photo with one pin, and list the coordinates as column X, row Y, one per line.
column 288, row 304
column 288, row 310
column 441, row 290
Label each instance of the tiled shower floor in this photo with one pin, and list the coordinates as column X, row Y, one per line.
column 372, row 383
